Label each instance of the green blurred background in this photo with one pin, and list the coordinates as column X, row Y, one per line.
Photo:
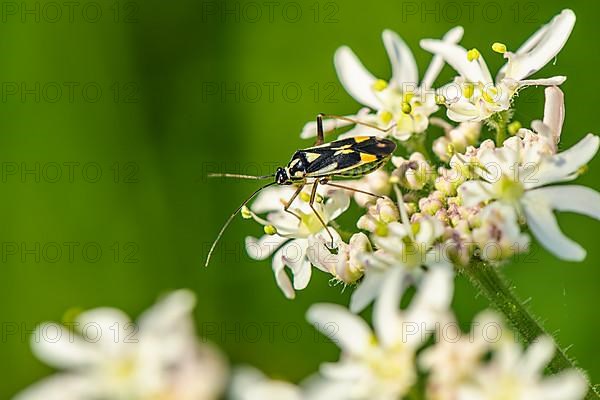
column 134, row 102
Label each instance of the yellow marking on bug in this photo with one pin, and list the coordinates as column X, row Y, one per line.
column 346, row 146
column 367, row 158
column 343, row 151
column 310, row 157
column 359, row 139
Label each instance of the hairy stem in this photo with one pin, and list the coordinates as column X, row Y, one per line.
column 496, row 288
column 499, row 123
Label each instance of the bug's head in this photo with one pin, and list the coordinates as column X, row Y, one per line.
column 282, row 177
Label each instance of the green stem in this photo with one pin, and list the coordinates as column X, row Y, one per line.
column 500, row 134
column 499, row 123
column 495, row 287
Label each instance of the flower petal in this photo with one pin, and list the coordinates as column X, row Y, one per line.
column 355, row 78
column 564, row 165
column 544, row 227
column 404, row 66
column 350, row 332
column 574, row 198
column 453, row 36
column 54, row 344
column 536, row 357
column 100, row 325
column 61, row 387
column 552, row 81
column 261, row 249
column 475, row 192
column 367, row 290
column 541, row 48
column 456, row 57
column 281, row 277
column 386, row 311
column 554, row 111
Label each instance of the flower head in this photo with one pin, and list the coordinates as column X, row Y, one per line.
column 474, row 96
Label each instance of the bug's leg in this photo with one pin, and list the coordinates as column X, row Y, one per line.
column 320, row 136
column 291, row 200
column 313, row 195
column 354, row 121
column 352, row 189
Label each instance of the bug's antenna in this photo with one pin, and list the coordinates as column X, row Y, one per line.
column 239, row 176
column 212, row 248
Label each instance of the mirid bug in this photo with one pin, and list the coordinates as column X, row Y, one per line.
column 318, row 165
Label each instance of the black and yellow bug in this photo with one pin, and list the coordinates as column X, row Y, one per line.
column 318, row 165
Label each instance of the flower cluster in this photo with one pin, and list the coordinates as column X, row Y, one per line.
column 472, row 199
column 105, row 356
column 483, row 187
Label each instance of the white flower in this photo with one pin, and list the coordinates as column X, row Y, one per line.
column 457, row 137
column 474, row 96
column 519, row 175
column 400, row 245
column 250, row 384
column 517, row 375
column 289, row 239
column 403, row 103
column 521, row 171
column 499, row 236
column 379, row 215
column 455, row 356
column 381, row 364
column 412, row 173
column 108, row 357
column 347, row 265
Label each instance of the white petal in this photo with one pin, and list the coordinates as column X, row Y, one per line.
column 61, row 387
column 463, row 112
column 355, row 78
column 433, row 298
column 350, row 332
column 54, row 344
column 566, row 385
column 537, row 356
column 261, row 249
column 281, row 277
column 169, row 313
column 102, row 325
column 270, row 199
column 573, row 198
column 564, row 165
column 453, row 36
column 553, row 81
column 367, row 290
column 404, row 66
column 544, row 227
column 554, row 111
column 336, row 204
column 456, row 57
column 543, row 48
column 387, row 306
column 475, row 192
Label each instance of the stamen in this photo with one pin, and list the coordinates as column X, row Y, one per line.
column 514, row 127
column 270, row 230
column 379, row 85
column 473, row 54
column 246, row 213
column 406, row 108
column 305, row 197
column 468, row 90
column 386, row 117
column 499, row 47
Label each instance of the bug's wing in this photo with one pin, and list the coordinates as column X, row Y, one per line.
column 375, row 146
